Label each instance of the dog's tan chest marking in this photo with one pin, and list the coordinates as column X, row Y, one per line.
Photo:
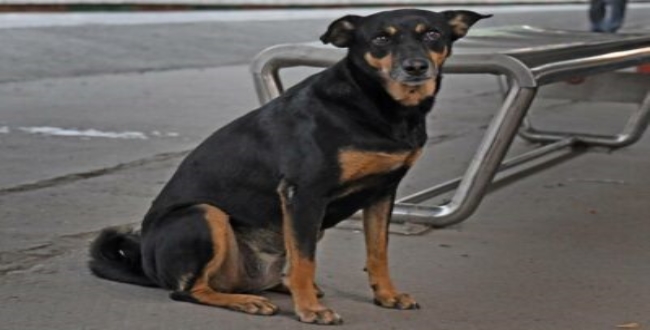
column 356, row 164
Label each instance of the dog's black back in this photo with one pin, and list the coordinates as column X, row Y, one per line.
column 245, row 160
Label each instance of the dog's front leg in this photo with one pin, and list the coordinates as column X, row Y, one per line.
column 302, row 218
column 376, row 218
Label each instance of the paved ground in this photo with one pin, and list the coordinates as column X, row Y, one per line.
column 566, row 249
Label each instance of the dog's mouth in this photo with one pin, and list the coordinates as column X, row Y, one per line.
column 414, row 81
column 403, row 78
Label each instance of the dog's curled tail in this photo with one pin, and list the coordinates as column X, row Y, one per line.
column 115, row 255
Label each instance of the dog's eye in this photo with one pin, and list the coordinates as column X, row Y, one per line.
column 381, row 40
column 431, row 35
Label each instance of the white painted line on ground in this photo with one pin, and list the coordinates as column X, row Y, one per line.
column 57, row 131
column 88, row 133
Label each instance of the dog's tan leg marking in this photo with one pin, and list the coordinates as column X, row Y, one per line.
column 300, row 276
column 221, row 274
column 375, row 224
column 281, row 288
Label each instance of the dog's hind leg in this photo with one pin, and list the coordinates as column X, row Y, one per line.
column 221, row 274
column 204, row 294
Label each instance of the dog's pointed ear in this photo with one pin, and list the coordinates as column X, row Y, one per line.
column 461, row 20
column 341, row 32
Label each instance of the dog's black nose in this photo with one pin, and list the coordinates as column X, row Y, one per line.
column 415, row 66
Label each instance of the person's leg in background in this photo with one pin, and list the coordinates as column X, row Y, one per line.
column 597, row 15
column 616, row 15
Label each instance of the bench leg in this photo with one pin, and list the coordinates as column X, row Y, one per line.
column 482, row 169
column 632, row 132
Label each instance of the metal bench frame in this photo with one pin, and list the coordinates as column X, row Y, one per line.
column 532, row 58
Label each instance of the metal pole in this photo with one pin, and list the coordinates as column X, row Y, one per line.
column 482, row 168
column 452, row 184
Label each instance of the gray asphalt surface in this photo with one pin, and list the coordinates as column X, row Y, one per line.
column 566, row 249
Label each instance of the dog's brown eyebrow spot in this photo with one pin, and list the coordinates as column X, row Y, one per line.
column 420, row 28
column 391, row 30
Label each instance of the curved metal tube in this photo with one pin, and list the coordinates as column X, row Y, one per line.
column 450, row 185
column 561, row 70
column 632, row 132
column 266, row 65
column 483, row 167
column 526, row 67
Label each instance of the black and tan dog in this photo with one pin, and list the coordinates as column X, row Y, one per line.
column 244, row 211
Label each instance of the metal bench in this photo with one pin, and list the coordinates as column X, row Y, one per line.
column 527, row 58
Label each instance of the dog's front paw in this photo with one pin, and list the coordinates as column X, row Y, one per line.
column 397, row 301
column 319, row 316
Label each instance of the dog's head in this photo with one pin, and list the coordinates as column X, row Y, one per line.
column 404, row 48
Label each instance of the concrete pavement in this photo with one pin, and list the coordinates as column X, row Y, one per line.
column 565, row 249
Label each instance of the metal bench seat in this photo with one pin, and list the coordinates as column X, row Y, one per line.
column 528, row 58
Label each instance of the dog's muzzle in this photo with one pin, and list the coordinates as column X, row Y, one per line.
column 414, row 71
